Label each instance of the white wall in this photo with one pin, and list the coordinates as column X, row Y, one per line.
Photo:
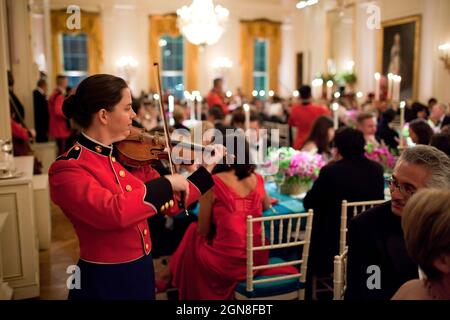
column 126, row 32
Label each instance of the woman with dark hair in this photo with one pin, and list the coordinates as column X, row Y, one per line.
column 320, row 138
column 420, row 132
column 211, row 258
column 109, row 205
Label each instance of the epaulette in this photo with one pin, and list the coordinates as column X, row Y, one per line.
column 73, row 153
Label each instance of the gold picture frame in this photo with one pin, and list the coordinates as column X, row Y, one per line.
column 407, row 61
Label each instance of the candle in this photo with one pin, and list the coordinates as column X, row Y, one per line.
column 390, row 85
column 335, row 108
column 359, row 98
column 192, row 105
column 317, row 89
column 402, row 122
column 199, row 100
column 396, row 90
column 329, row 90
column 377, row 86
column 247, row 116
column 171, row 101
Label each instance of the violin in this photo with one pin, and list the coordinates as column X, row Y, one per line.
column 142, row 149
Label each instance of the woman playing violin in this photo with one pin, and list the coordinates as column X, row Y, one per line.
column 109, row 205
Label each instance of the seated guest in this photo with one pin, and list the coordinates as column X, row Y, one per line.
column 426, row 225
column 211, row 258
column 439, row 117
column 320, row 138
column 417, row 111
column 354, row 178
column 385, row 133
column 441, row 141
column 216, row 116
column 375, row 238
column 420, row 132
column 367, row 124
column 274, row 110
column 179, row 116
column 303, row 116
column 139, row 110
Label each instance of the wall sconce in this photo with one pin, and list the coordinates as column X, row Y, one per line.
column 127, row 66
column 222, row 65
column 444, row 55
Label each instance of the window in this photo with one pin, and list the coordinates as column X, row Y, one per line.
column 172, row 74
column 75, row 57
column 260, row 69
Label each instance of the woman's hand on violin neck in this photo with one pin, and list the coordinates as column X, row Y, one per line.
column 218, row 154
column 179, row 183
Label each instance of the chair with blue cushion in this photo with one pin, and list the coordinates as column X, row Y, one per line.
column 288, row 234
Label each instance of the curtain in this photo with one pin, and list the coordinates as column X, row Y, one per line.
column 91, row 25
column 167, row 25
column 251, row 30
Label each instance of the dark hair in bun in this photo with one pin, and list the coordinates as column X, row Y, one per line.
column 100, row 91
column 243, row 164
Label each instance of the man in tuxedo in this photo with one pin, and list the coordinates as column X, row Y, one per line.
column 439, row 117
column 217, row 116
column 41, row 110
column 378, row 263
column 352, row 178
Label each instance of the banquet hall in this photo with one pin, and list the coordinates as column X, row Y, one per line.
column 225, row 150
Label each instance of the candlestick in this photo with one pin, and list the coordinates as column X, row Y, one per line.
column 335, row 108
column 396, row 88
column 377, row 86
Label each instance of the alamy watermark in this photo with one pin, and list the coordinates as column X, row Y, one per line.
column 73, row 22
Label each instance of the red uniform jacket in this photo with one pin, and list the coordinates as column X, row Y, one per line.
column 215, row 99
column 303, row 117
column 19, row 132
column 108, row 206
column 57, row 125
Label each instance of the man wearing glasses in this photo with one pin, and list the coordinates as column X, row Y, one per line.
column 378, row 263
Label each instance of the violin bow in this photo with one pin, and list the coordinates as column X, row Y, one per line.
column 173, row 169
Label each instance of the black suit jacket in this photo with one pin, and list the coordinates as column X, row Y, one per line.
column 376, row 238
column 14, row 103
column 446, row 121
column 357, row 179
column 40, row 116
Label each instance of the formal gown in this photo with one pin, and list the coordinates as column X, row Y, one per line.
column 210, row 267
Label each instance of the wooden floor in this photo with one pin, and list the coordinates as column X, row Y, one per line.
column 64, row 251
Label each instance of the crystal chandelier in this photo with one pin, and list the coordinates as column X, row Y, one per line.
column 202, row 23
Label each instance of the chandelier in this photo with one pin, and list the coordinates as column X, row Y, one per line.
column 202, row 23
column 306, row 3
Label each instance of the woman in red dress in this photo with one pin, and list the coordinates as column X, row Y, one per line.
column 211, row 258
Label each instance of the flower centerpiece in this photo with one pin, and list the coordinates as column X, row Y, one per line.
column 382, row 155
column 294, row 171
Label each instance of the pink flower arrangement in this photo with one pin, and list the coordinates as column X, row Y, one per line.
column 296, row 166
column 383, row 156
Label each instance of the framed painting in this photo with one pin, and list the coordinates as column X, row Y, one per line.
column 399, row 52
